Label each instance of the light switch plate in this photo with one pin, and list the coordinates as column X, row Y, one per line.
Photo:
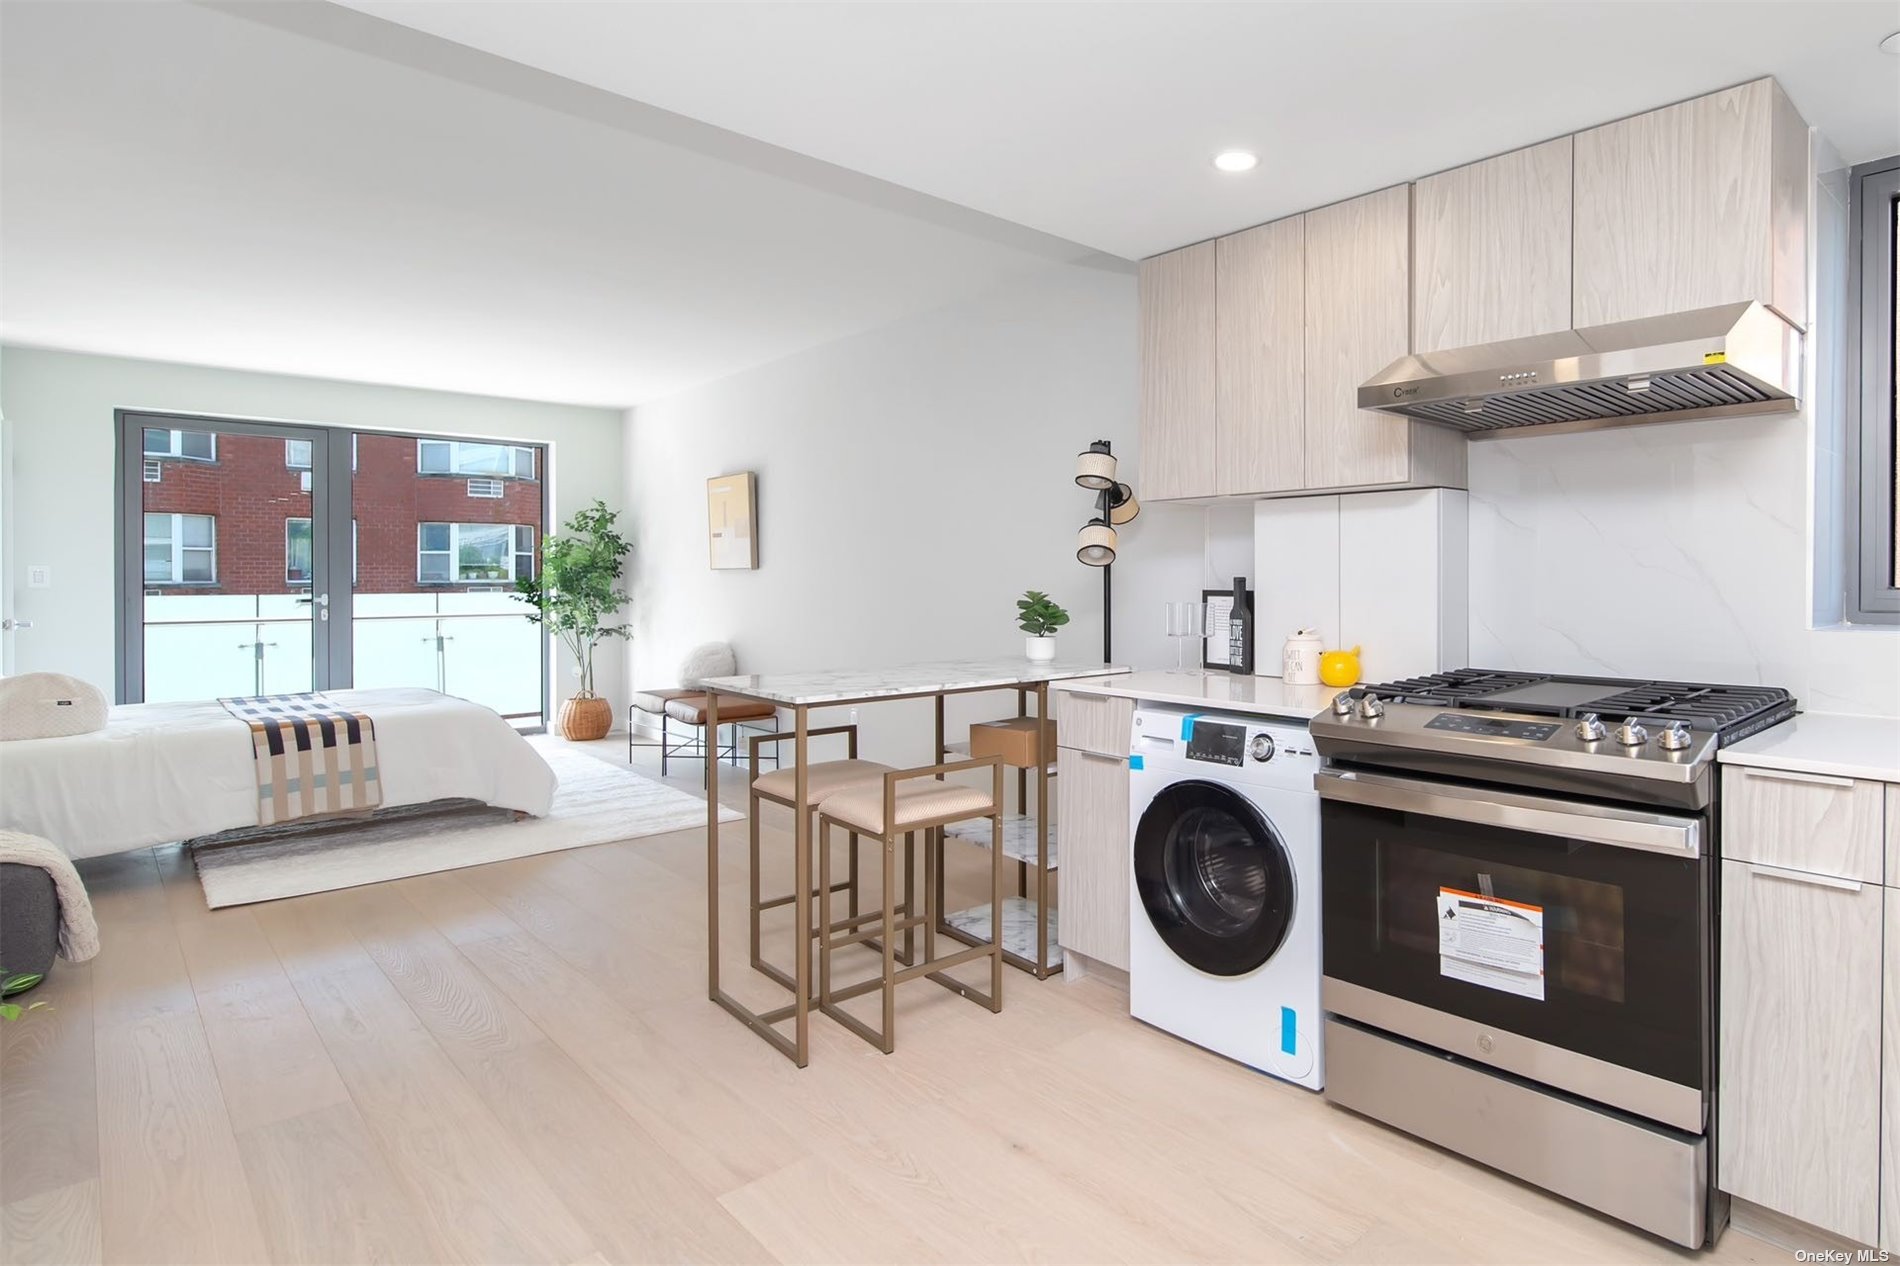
column 39, row 576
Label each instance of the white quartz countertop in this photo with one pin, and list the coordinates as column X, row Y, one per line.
column 853, row 685
column 1252, row 696
column 1825, row 743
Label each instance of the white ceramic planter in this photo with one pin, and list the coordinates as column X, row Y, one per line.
column 1040, row 649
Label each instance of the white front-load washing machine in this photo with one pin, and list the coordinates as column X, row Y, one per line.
column 1224, row 913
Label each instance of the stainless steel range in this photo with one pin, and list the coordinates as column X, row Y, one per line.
column 1519, row 884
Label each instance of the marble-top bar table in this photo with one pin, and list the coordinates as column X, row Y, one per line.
column 801, row 692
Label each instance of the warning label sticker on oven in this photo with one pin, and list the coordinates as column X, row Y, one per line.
column 1491, row 942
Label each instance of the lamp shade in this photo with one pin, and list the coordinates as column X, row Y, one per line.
column 1122, row 506
column 1095, row 543
column 1095, row 469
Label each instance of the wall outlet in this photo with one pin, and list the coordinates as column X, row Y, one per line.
column 39, row 576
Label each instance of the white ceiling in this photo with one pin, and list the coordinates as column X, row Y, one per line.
column 1096, row 121
column 605, row 203
column 304, row 189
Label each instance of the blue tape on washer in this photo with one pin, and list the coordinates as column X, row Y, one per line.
column 1187, row 726
column 1289, row 1030
column 1135, row 762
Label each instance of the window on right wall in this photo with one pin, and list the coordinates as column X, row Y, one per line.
column 1873, row 578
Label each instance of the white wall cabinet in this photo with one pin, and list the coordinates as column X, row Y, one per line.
column 1691, row 206
column 1491, row 249
column 1177, row 319
column 1800, row 1046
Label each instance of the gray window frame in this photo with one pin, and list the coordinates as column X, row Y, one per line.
column 1872, row 597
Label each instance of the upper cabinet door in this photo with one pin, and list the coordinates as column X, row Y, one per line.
column 1358, row 321
column 1260, row 433
column 1691, row 206
column 1491, row 249
column 1177, row 296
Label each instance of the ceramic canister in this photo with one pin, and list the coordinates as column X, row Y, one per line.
column 1299, row 658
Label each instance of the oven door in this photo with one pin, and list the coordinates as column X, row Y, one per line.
column 1566, row 942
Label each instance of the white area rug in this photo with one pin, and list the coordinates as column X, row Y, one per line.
column 595, row 803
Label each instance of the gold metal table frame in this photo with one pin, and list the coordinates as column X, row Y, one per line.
column 797, row 1047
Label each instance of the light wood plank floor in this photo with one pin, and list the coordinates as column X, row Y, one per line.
column 518, row 1063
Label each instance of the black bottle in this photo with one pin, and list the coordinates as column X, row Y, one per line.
column 1240, row 631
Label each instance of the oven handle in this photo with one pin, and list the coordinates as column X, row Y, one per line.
column 1595, row 824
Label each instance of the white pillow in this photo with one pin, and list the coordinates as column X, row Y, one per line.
column 713, row 659
column 49, row 705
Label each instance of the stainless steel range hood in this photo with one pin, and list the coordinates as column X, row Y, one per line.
column 1736, row 359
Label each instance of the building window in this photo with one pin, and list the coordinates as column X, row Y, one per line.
column 297, row 454
column 188, row 446
column 297, row 564
column 460, row 457
column 181, row 549
column 297, row 551
column 473, row 553
column 1874, row 577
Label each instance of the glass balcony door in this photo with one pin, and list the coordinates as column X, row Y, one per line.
column 220, row 594
column 264, row 558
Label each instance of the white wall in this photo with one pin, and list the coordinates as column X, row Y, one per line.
column 59, row 458
column 912, row 482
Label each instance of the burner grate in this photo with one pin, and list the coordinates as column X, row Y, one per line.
column 1706, row 708
column 1455, row 686
column 1731, row 712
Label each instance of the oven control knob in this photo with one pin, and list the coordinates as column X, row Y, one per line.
column 1262, row 747
column 1342, row 704
column 1674, row 737
column 1485, row 1043
column 1370, row 709
column 1631, row 733
column 1590, row 728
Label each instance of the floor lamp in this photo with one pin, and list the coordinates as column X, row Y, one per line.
column 1095, row 544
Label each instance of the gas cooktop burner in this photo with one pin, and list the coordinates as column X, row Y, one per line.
column 1728, row 712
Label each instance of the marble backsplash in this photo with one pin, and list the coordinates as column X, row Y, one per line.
column 1678, row 550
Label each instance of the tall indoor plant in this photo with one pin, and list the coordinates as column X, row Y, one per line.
column 572, row 594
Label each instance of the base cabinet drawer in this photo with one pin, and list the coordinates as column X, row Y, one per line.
column 1800, row 1046
column 1092, row 824
column 1807, row 822
column 1092, row 723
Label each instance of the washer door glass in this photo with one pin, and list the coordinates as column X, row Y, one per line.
column 1214, row 878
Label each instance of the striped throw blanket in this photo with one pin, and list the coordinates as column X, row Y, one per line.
column 314, row 757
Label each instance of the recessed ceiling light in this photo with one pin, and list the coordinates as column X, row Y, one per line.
column 1891, row 45
column 1235, row 160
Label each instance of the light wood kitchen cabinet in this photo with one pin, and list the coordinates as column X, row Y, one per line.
column 1890, row 1074
column 1092, row 723
column 1892, row 876
column 1358, row 321
column 1491, row 249
column 1799, row 821
column 1177, row 318
column 1691, row 206
column 1260, row 362
column 1092, row 819
column 1800, row 1046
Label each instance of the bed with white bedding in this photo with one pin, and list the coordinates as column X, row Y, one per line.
column 160, row 772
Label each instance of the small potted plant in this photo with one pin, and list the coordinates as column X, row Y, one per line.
column 572, row 594
column 1039, row 617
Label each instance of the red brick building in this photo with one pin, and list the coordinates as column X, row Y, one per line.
column 230, row 513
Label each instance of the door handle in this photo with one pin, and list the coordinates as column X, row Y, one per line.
column 1789, row 775
column 1804, row 877
column 9, row 624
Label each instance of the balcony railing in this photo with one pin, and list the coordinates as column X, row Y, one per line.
column 479, row 646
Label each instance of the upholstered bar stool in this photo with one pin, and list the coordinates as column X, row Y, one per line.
column 906, row 802
column 822, row 779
